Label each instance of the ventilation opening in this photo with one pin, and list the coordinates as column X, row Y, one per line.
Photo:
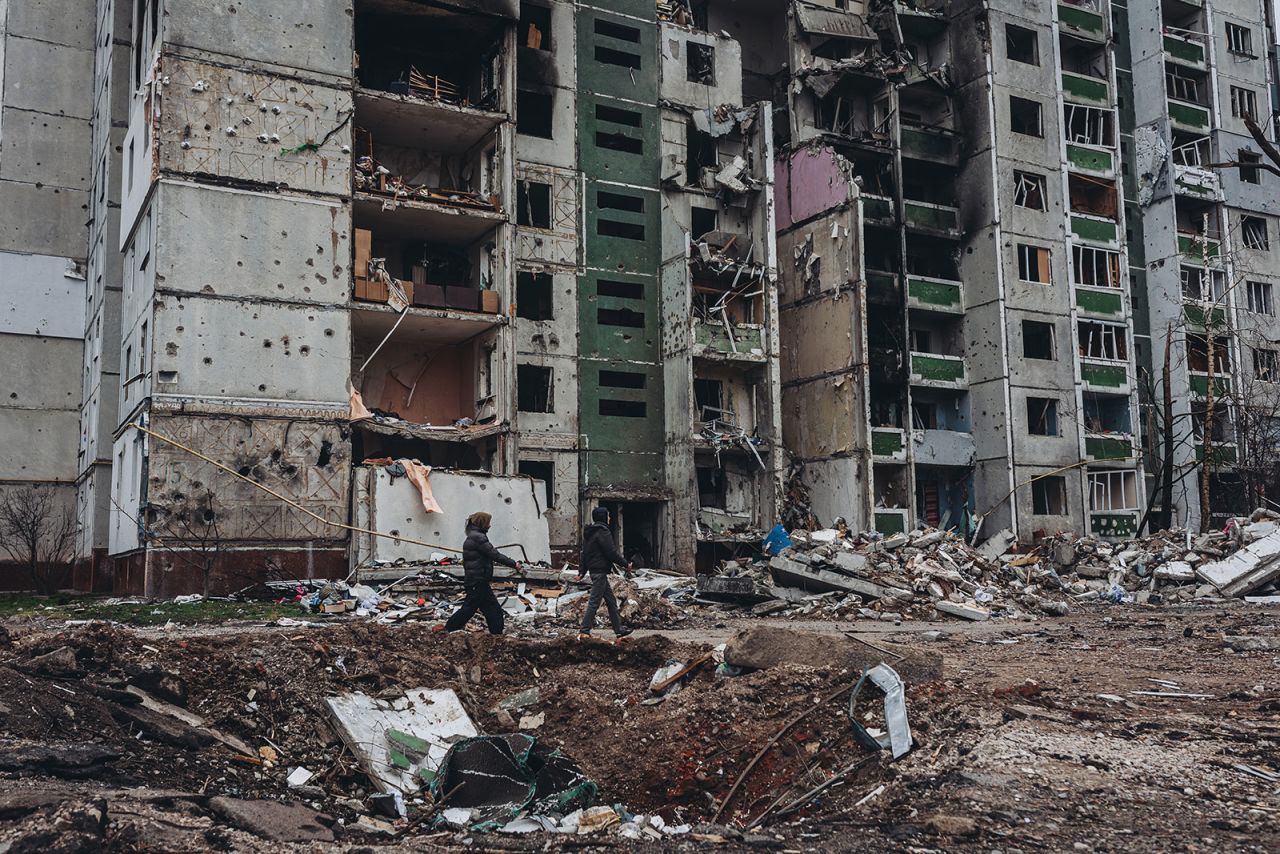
column 620, row 202
column 622, row 58
column 623, row 408
column 625, row 230
column 533, row 296
column 620, row 317
column 609, row 29
column 619, row 142
column 622, row 379
column 630, row 118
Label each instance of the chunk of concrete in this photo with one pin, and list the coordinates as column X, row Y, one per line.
column 274, row 820
column 852, row 562
column 762, row 647
column 959, row 609
column 1176, row 570
column 1246, row 570
column 997, row 544
column 792, row 573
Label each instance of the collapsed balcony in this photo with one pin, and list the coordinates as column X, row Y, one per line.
column 727, row 308
column 430, row 54
column 1108, row 429
column 728, row 450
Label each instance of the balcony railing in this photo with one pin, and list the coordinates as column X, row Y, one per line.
column 713, row 339
column 1103, row 447
column 1184, row 50
column 930, row 294
column 937, row 369
column 1095, row 228
column 1081, row 87
column 1189, row 116
column 1082, row 19
column 876, row 207
column 1090, row 159
column 889, row 443
column 1105, row 302
column 1108, row 377
column 1200, row 384
column 1197, row 247
column 929, row 215
column 1114, row 525
column 1197, row 182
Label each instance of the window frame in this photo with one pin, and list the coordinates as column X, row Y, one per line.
column 1260, row 297
column 1116, row 491
column 1258, row 241
column 1039, row 133
column 1266, row 364
column 1249, row 107
column 1041, row 261
column 1029, row 186
column 1110, row 260
column 1239, row 39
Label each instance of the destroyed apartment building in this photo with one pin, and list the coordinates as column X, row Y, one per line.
column 714, row 265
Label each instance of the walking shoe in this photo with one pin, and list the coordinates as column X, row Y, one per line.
column 584, row 635
column 622, row 633
column 438, row 627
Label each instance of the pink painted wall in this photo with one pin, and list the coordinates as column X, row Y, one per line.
column 806, row 183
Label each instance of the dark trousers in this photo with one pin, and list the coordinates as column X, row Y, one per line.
column 600, row 589
column 479, row 598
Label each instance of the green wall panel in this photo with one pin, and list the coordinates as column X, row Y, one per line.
column 1081, row 20
column 1107, row 448
column 1100, row 302
column 618, row 141
column 1093, row 229
column 1113, row 524
column 1089, row 158
column 1104, row 376
column 605, row 41
column 928, row 292
column 1078, row 87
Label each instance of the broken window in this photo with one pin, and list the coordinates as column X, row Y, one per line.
column 1033, row 264
column 1223, row 426
column 1093, row 197
column 1266, row 365
column 921, row 340
column 1244, row 103
column 1260, row 301
column 1049, row 496
column 1029, row 190
column 1253, row 231
column 1202, row 285
column 700, row 63
column 535, row 26
column 700, row 153
column 1249, row 171
column 1024, row 117
column 543, row 470
column 533, row 114
column 708, row 399
column 533, row 204
column 533, row 296
column 924, row 415
column 533, row 388
column 1191, row 151
column 702, row 220
column 618, row 140
column 1089, row 125
column 1038, row 340
column 1181, row 86
column 1094, row 267
column 712, row 487
column 1102, row 341
column 1198, row 354
column 1042, row 416
column 1021, row 44
column 1113, row 491
column 1239, row 39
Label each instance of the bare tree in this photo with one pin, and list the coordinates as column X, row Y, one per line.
column 192, row 526
column 38, row 533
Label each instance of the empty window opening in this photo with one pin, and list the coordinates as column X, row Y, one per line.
column 700, row 153
column 708, row 398
column 622, row 58
column 614, row 228
column 1203, row 285
column 1029, row 190
column 609, row 29
column 533, row 296
column 1094, row 267
column 712, row 487
column 619, row 142
column 543, row 470
column 624, row 290
column 1239, row 40
column 1033, row 264
column 622, row 379
column 533, row 204
column 1042, row 416
column 924, row 415
column 618, row 116
column 533, row 114
column 702, row 220
column 620, row 317
column 1089, row 125
column 623, row 408
column 1049, row 496
column 1021, row 44
column 535, row 26
column 1038, row 340
column 921, row 340
column 1105, row 414
column 533, row 388
column 1253, row 231
column 1113, row 491
column 1024, row 117
column 1266, row 365
column 620, row 202
column 1198, row 354
column 1191, row 150
column 1260, row 298
column 1093, row 197
column 1244, row 103
column 1102, row 341
column 1250, row 173
column 700, row 63
column 1223, row 422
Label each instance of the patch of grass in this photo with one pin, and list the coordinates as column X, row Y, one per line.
column 67, row 607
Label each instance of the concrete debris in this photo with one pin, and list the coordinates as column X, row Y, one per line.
column 1248, row 569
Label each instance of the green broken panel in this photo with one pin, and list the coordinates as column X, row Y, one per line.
column 617, row 471
column 619, row 140
column 1196, row 247
column 1200, row 385
column 1195, row 315
column 1091, row 159
column 1184, row 49
column 1090, row 228
column 1113, row 524
column 618, row 56
column 1223, row 455
column 876, row 207
column 1081, row 88
column 1107, row 448
column 1104, row 376
column 1082, row 20
column 939, row 368
column 715, row 337
column 931, row 216
column 886, row 443
column 925, row 144
column 891, row 523
column 399, row 760
column 1109, row 302
column 932, row 292
column 410, row 744
column 1188, row 115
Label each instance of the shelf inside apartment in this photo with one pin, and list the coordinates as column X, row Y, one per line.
column 412, row 122
column 438, row 326
column 420, row 220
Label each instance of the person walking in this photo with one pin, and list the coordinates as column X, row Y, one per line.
column 599, row 555
column 478, row 558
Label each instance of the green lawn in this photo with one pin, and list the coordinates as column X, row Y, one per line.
column 66, row 607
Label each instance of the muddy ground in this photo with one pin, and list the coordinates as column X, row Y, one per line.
column 1033, row 738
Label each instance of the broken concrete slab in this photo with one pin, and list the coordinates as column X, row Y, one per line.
column 728, row 587
column 1176, row 570
column 63, row 760
column 1246, row 570
column 274, row 820
column 852, row 562
column 401, row 742
column 1252, row 644
column 762, row 647
column 796, row 574
column 997, row 544
column 959, row 609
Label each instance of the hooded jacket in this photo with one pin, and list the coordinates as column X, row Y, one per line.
column 599, row 555
column 479, row 556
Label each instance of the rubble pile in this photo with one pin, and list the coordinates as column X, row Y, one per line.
column 927, row 574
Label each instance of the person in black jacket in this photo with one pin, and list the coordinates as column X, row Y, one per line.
column 478, row 558
column 599, row 555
